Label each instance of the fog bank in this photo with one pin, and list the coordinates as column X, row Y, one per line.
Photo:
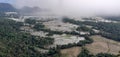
column 75, row 7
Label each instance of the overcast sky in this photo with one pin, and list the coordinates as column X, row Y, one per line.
column 75, row 7
column 7, row 1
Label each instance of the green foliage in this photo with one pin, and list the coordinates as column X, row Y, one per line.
column 66, row 46
column 83, row 28
column 87, row 41
column 19, row 44
column 105, row 55
column 53, row 51
column 38, row 26
column 85, row 53
column 30, row 21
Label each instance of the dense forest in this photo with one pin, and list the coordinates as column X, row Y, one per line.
column 14, row 43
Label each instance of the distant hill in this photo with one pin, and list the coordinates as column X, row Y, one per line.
column 6, row 7
column 29, row 10
column 26, row 10
column 114, row 18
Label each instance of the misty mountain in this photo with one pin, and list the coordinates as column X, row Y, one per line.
column 6, row 7
column 29, row 10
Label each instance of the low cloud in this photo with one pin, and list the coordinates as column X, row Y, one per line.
column 75, row 7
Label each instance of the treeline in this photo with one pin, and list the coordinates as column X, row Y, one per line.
column 14, row 43
column 108, row 30
column 80, row 43
column 113, row 18
column 41, row 27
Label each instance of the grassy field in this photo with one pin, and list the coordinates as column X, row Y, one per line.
column 71, row 52
column 103, row 45
column 67, row 36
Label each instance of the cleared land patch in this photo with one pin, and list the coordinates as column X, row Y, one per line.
column 103, row 45
column 71, row 52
